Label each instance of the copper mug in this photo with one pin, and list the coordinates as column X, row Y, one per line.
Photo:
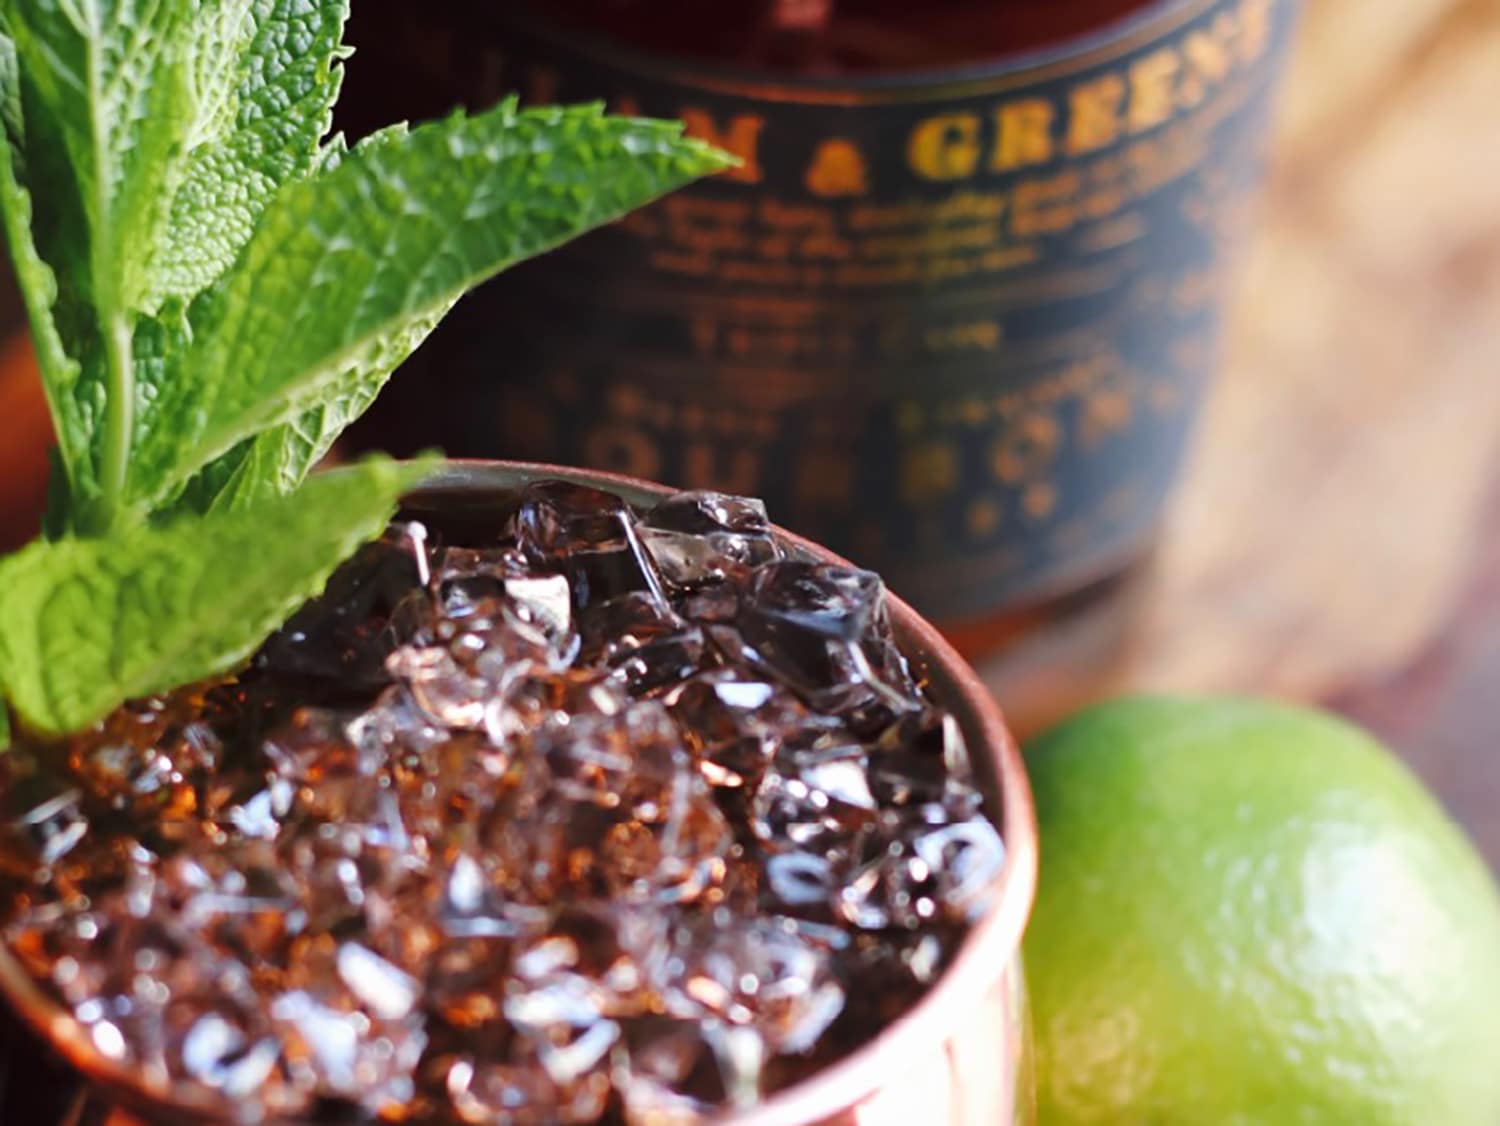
column 960, row 1057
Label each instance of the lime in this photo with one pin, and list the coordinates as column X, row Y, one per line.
column 1251, row 913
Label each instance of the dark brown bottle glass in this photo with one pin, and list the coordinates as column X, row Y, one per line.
column 953, row 314
column 837, row 36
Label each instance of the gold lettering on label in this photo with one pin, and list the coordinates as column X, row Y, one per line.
column 1152, row 89
column 837, row 169
column 945, row 147
column 976, row 335
column 983, row 518
column 1107, row 411
column 796, row 216
column 622, row 449
column 1206, row 53
column 625, row 401
column 1051, row 189
column 1094, row 113
column 1039, row 500
column 1025, row 448
column 775, row 246
column 825, row 246
column 1046, row 205
column 740, row 137
column 1113, row 232
column 928, row 470
column 1024, row 134
column 1255, row 28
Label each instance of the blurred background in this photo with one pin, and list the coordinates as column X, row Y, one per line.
column 1337, row 534
column 1337, row 538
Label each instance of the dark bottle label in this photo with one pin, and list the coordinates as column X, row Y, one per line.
column 957, row 330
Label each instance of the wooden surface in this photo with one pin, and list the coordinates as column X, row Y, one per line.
column 1337, row 538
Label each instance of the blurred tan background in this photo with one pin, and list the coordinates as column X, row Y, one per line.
column 1338, row 538
column 1343, row 514
column 1338, row 535
column 1353, row 446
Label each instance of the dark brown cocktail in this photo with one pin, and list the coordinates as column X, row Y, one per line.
column 549, row 810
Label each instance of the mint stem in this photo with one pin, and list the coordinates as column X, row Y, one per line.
column 119, row 344
column 119, row 420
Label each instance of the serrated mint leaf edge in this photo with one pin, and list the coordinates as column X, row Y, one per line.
column 50, row 707
column 278, row 460
column 301, row 391
column 109, row 102
column 114, row 86
column 291, row 49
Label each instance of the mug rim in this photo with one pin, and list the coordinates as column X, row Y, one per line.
column 990, row 945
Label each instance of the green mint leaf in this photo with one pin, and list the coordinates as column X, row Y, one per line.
column 276, row 461
column 38, row 286
column 110, row 98
column 107, row 98
column 152, row 134
column 275, row 106
column 344, row 265
column 88, row 624
column 11, row 114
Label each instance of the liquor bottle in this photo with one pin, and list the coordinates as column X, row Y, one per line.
column 836, row 36
column 953, row 313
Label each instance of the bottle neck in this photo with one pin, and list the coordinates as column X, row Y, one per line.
column 839, row 36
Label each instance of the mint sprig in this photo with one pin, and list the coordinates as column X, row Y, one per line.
column 216, row 291
column 330, row 293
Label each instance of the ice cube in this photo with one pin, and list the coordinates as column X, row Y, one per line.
column 701, row 538
column 590, row 535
